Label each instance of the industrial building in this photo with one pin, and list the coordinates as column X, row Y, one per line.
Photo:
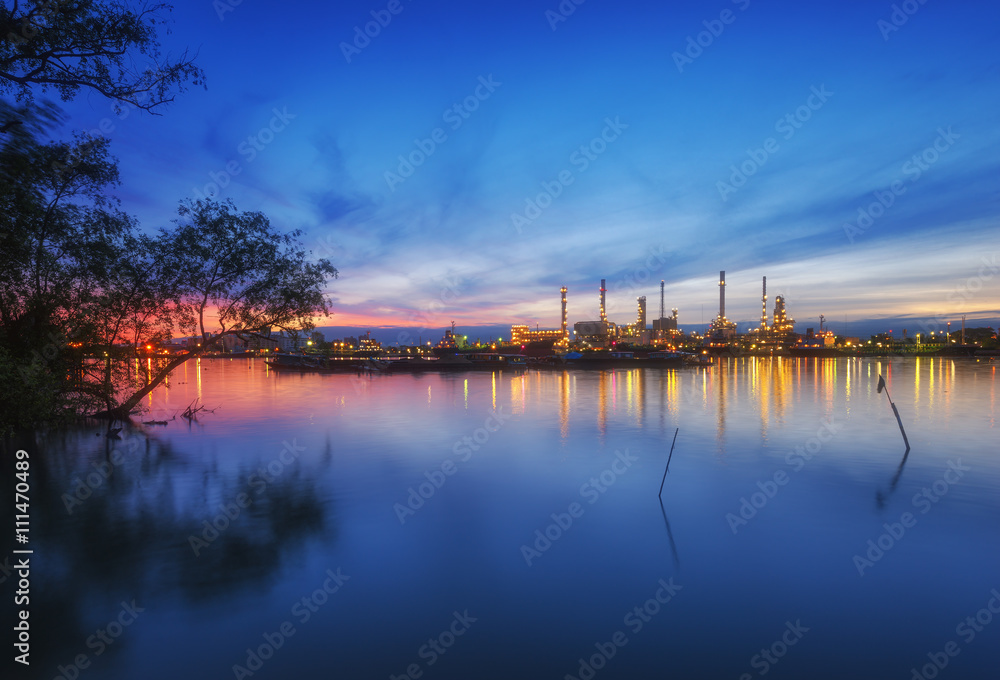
column 521, row 334
column 778, row 335
column 721, row 331
column 602, row 332
column 783, row 323
column 665, row 327
column 769, row 336
column 637, row 333
column 596, row 332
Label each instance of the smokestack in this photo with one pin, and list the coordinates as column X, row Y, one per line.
column 722, row 295
column 604, row 316
column 640, row 321
column 564, row 317
column 763, row 303
column 663, row 310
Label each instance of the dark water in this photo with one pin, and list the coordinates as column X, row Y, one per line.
column 332, row 564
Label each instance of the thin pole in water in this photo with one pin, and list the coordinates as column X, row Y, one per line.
column 668, row 461
column 882, row 386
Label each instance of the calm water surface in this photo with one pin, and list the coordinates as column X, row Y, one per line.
column 507, row 525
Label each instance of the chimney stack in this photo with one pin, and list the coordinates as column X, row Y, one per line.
column 763, row 304
column 722, row 295
column 565, row 332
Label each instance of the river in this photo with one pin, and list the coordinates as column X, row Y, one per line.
column 502, row 525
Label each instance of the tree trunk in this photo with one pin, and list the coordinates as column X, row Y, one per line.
column 123, row 410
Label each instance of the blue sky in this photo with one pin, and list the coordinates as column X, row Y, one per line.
column 820, row 104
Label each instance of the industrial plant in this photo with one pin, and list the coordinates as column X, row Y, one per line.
column 521, row 335
column 774, row 334
column 602, row 343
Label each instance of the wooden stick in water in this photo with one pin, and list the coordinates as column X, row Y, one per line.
column 668, row 461
column 883, row 386
column 899, row 420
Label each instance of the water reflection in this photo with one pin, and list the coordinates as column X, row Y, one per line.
column 602, row 403
column 670, row 537
column 131, row 538
column 114, row 522
column 882, row 498
column 993, row 395
column 564, row 397
column 720, row 413
column 773, row 387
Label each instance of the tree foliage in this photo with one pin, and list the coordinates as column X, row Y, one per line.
column 100, row 45
column 222, row 274
column 83, row 288
column 59, row 235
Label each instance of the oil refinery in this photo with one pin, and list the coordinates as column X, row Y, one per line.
column 774, row 334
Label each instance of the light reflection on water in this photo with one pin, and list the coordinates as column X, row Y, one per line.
column 369, row 443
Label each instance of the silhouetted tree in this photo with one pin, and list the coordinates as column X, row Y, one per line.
column 60, row 236
column 100, row 45
column 235, row 268
column 79, row 277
